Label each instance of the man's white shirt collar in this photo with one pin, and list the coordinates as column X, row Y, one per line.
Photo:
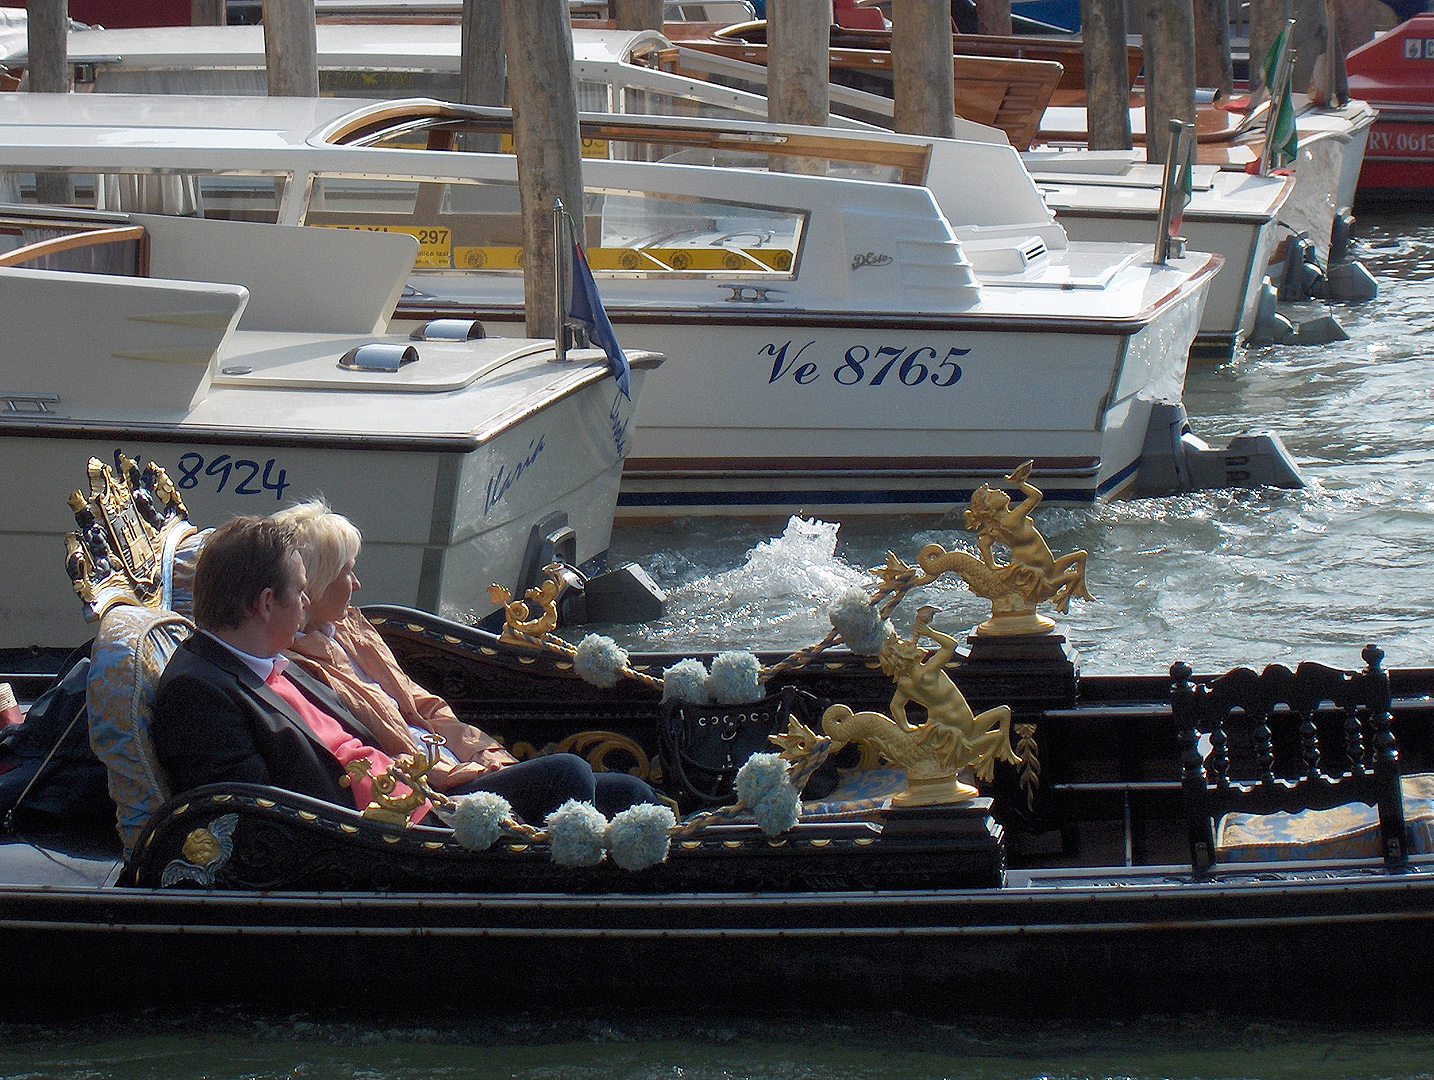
column 262, row 666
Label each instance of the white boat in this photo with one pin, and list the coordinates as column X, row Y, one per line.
column 1331, row 140
column 1097, row 196
column 255, row 361
column 1115, row 195
column 842, row 345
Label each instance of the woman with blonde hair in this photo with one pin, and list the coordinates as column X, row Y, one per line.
column 341, row 648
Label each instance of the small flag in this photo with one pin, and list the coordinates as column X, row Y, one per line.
column 586, row 307
column 1280, row 127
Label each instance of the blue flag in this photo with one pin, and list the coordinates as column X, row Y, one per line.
column 586, row 307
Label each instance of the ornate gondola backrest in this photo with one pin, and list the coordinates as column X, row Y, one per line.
column 132, row 563
column 1285, row 741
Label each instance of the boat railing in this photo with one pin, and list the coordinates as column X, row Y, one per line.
column 126, row 248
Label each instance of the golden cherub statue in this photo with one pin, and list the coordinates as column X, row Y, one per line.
column 1032, row 576
column 951, row 739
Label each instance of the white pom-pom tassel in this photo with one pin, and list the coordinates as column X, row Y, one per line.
column 639, row 836
column 686, row 680
column 763, row 787
column 599, row 660
column 478, row 819
column 857, row 621
column 576, row 834
column 734, row 678
column 779, row 811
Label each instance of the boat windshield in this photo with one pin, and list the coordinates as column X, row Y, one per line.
column 466, row 225
column 233, row 196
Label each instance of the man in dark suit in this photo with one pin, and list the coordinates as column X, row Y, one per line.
column 229, row 708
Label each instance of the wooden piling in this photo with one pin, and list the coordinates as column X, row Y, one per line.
column 1310, row 32
column 483, row 59
column 482, row 66
column 539, row 41
column 1107, row 74
column 291, row 48
column 1267, row 19
column 799, row 65
column 992, row 17
column 1168, row 36
column 1213, row 68
column 208, row 13
column 48, row 29
column 922, row 69
column 637, row 14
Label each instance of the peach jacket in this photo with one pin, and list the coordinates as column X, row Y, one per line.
column 388, row 700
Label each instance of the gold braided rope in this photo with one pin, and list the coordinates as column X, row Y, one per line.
column 892, row 590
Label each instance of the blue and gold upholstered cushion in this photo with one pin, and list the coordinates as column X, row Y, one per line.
column 859, row 791
column 179, row 572
column 1340, row 832
column 129, row 654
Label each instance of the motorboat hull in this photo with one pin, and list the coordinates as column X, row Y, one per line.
column 754, row 416
column 453, row 519
column 1234, row 298
column 1392, row 73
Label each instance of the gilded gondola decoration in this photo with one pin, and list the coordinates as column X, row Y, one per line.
column 952, row 737
column 1032, row 576
column 121, row 528
column 204, row 853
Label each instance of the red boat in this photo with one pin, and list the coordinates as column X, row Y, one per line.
column 1395, row 74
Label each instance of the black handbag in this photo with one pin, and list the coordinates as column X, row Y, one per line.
column 703, row 746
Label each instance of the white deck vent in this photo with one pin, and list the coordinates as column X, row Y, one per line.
column 1005, row 255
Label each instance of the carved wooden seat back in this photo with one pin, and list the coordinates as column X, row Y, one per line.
column 1289, row 741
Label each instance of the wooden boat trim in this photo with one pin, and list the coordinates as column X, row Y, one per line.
column 56, row 244
column 371, row 125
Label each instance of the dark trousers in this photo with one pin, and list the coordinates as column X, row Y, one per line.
column 538, row 786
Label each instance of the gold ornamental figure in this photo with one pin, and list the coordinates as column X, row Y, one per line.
column 1032, row 576
column 952, row 737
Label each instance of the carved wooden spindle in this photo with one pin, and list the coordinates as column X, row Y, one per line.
column 1386, row 761
column 1194, row 790
column 1353, row 742
column 1309, row 743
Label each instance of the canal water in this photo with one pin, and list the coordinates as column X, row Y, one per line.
column 1219, row 578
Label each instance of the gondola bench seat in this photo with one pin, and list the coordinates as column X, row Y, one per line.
column 1296, row 764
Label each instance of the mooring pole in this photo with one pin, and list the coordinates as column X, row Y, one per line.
column 539, row 42
column 798, row 61
column 207, row 13
column 1213, row 67
column 992, row 17
column 1267, row 19
column 1169, row 37
column 1107, row 74
column 637, row 14
column 922, row 68
column 48, row 27
column 291, row 48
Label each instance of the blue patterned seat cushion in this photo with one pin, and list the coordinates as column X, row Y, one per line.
column 861, row 794
column 1340, row 832
column 178, row 582
column 130, row 651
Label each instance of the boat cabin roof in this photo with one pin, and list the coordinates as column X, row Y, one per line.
column 186, row 318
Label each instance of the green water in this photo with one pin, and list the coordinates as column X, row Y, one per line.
column 817, row 1046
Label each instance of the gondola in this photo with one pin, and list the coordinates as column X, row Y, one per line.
column 1241, row 840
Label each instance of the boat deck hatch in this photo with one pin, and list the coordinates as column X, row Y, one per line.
column 288, row 361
